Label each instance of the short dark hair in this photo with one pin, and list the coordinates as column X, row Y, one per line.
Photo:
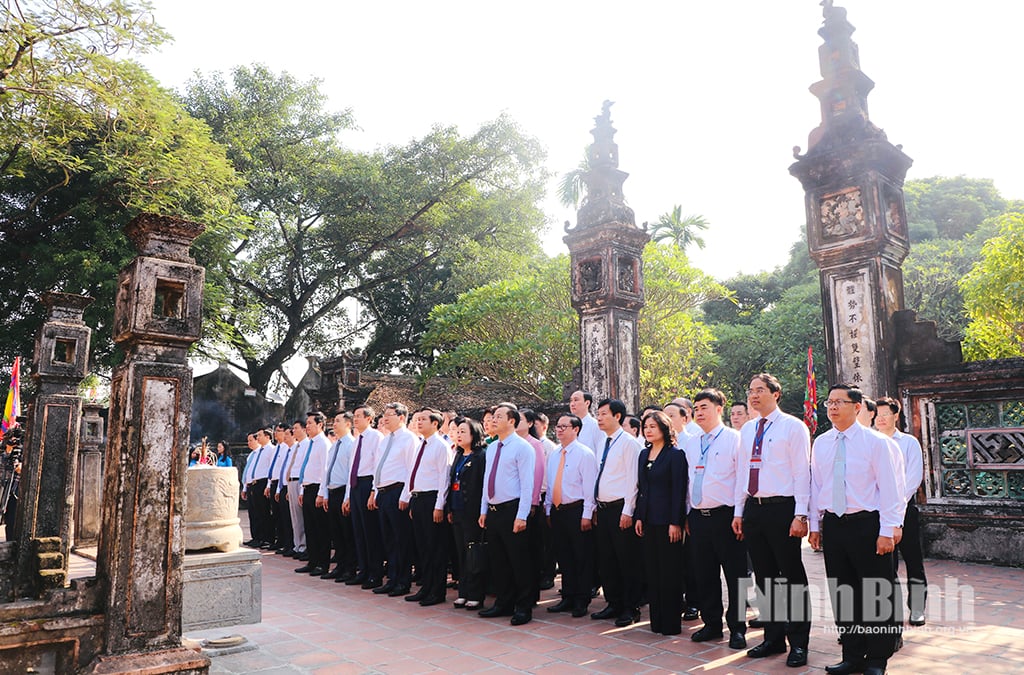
column 855, row 394
column 890, row 403
column 345, row 415
column 283, row 426
column 367, row 411
column 742, row 403
column 634, row 423
column 399, row 409
column 434, row 415
column 318, row 417
column 476, row 432
column 616, row 407
column 574, row 421
column 531, row 417
column 542, row 418
column 710, row 394
column 511, row 411
column 770, row 381
column 588, row 397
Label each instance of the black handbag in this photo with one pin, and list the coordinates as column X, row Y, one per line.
column 476, row 557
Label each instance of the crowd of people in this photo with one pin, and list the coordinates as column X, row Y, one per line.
column 654, row 509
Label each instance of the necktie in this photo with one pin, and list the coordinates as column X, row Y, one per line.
column 698, row 472
column 604, row 458
column 755, row 458
column 416, row 467
column 270, row 474
column 556, row 487
column 255, row 460
column 384, row 458
column 839, row 477
column 354, row 474
column 493, row 477
column 305, row 461
column 334, row 458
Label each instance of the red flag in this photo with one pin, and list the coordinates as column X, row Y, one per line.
column 811, row 398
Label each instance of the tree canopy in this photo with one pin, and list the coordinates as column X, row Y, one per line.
column 994, row 294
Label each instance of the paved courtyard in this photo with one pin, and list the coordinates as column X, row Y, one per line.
column 315, row 626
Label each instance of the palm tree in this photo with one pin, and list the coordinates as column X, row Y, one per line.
column 570, row 187
column 672, row 227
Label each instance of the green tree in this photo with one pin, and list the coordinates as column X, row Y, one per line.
column 572, row 185
column 672, row 227
column 333, row 226
column 949, row 208
column 994, row 294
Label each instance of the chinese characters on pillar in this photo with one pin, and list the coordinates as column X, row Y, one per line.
column 855, row 335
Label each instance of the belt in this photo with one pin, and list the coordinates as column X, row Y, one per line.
column 856, row 515
column 608, row 505
column 389, row 488
column 566, row 505
column 420, row 493
column 293, row 478
column 773, row 500
column 364, row 478
column 510, row 504
column 712, row 512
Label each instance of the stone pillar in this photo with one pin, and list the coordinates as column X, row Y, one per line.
column 856, row 220
column 46, row 506
column 139, row 563
column 89, row 490
column 606, row 250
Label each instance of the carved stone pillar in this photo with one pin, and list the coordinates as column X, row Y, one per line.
column 139, row 564
column 606, row 250
column 47, row 500
column 856, row 219
column 89, row 490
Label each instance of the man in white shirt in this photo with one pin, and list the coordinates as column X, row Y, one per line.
column 248, row 480
column 591, row 436
column 269, row 457
column 548, row 568
column 300, row 449
column 692, row 429
column 365, row 523
column 390, row 479
column 331, row 496
column 771, row 515
column 713, row 460
column 857, row 501
column 311, row 473
column 738, row 415
column 909, row 547
column 615, row 490
column 425, row 496
column 569, row 505
column 282, row 519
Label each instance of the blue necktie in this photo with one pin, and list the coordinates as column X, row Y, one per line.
column 839, row 477
column 270, row 473
column 334, row 456
column 305, row 461
column 604, row 458
column 698, row 478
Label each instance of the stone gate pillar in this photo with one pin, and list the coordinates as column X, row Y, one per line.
column 856, row 220
column 139, row 563
column 47, row 501
column 606, row 250
column 89, row 491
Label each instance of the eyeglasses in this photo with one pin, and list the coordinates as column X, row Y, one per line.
column 563, row 427
column 758, row 390
column 835, row 402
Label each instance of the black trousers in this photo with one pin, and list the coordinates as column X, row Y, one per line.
column 510, row 559
column 535, row 541
column 431, row 543
column 779, row 571
column 366, row 531
column 665, row 566
column 263, row 531
column 719, row 553
column 618, row 553
column 285, row 536
column 862, row 587
column 340, row 528
column 913, row 558
column 466, row 529
column 318, row 543
column 396, row 531
column 574, row 552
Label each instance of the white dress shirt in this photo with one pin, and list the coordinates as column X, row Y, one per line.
column 268, row 462
column 871, row 477
column 692, row 429
column 721, row 468
column 591, row 435
column 317, row 459
column 913, row 462
column 249, row 475
column 395, row 467
column 785, row 460
column 281, row 472
column 432, row 473
column 336, row 476
column 578, row 476
column 299, row 451
column 369, row 454
column 514, row 474
column 549, row 447
column 619, row 478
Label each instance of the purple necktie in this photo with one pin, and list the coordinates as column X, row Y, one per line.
column 493, row 477
column 353, row 475
column 755, row 458
column 416, row 467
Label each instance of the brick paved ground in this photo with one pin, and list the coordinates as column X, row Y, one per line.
column 314, row 626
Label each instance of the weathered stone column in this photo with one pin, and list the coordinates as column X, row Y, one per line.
column 606, row 249
column 47, row 500
column 139, row 563
column 856, row 219
column 89, row 491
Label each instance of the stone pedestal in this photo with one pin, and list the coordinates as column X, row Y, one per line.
column 222, row 589
column 89, row 490
column 211, row 509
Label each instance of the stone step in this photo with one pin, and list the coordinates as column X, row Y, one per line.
column 47, row 544
column 51, row 561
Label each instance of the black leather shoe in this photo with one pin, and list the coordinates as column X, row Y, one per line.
column 416, row 597
column 844, row 668
column 494, row 611
column 757, row 623
column 345, row 578
column 691, row 614
column 797, row 657
column 371, row 583
column 519, row 618
column 579, row 611
column 356, row 581
column 303, row 570
column 333, row 574
column 397, row 591
column 706, row 633
column 303, row 556
column 316, row 571
column 252, row 543
column 766, row 649
column 737, row 641
column 606, row 613
column 874, row 670
column 547, row 583
column 562, row 606
column 431, row 601
column 383, row 589
column 627, row 618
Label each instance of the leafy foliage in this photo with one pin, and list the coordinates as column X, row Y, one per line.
column 949, row 208
column 994, row 294
column 673, row 228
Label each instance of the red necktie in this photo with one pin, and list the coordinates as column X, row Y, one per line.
column 755, row 458
column 493, row 477
column 416, row 467
column 354, row 474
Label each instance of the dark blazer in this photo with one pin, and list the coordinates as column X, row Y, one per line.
column 471, row 482
column 661, row 499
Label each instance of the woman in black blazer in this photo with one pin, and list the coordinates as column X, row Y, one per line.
column 466, row 489
column 659, row 515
